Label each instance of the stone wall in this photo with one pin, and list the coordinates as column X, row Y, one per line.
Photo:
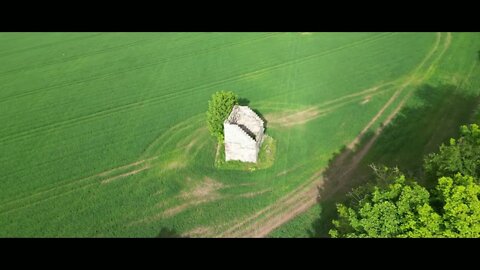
column 239, row 145
column 243, row 132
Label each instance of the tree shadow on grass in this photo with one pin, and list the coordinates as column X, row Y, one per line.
column 243, row 101
column 415, row 132
column 336, row 184
column 169, row 233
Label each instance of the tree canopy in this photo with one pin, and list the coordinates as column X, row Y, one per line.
column 400, row 210
column 460, row 206
column 405, row 209
column 460, row 156
column 394, row 206
column 219, row 107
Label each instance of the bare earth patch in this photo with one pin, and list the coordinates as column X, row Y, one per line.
column 205, row 189
column 177, row 164
column 288, row 119
column 256, row 193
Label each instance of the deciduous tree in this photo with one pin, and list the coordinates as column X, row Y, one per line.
column 459, row 156
column 219, row 107
column 401, row 209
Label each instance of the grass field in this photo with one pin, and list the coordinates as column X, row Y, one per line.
column 104, row 134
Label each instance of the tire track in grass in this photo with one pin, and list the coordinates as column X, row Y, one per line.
column 68, row 183
column 42, row 200
column 301, row 201
column 99, row 178
column 432, row 67
column 232, row 78
column 176, row 129
column 77, row 185
column 88, row 54
column 76, row 57
column 144, row 157
column 108, row 180
column 394, row 96
column 251, row 218
column 48, row 45
column 362, row 93
column 289, row 118
column 436, row 129
column 169, row 209
column 178, row 94
column 128, row 70
column 277, row 217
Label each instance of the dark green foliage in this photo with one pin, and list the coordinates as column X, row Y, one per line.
column 460, row 206
column 219, row 107
column 404, row 209
column 393, row 206
column 462, row 155
column 400, row 210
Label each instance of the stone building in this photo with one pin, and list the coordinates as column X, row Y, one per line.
column 243, row 133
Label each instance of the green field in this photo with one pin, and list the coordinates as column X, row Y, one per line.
column 104, row 134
